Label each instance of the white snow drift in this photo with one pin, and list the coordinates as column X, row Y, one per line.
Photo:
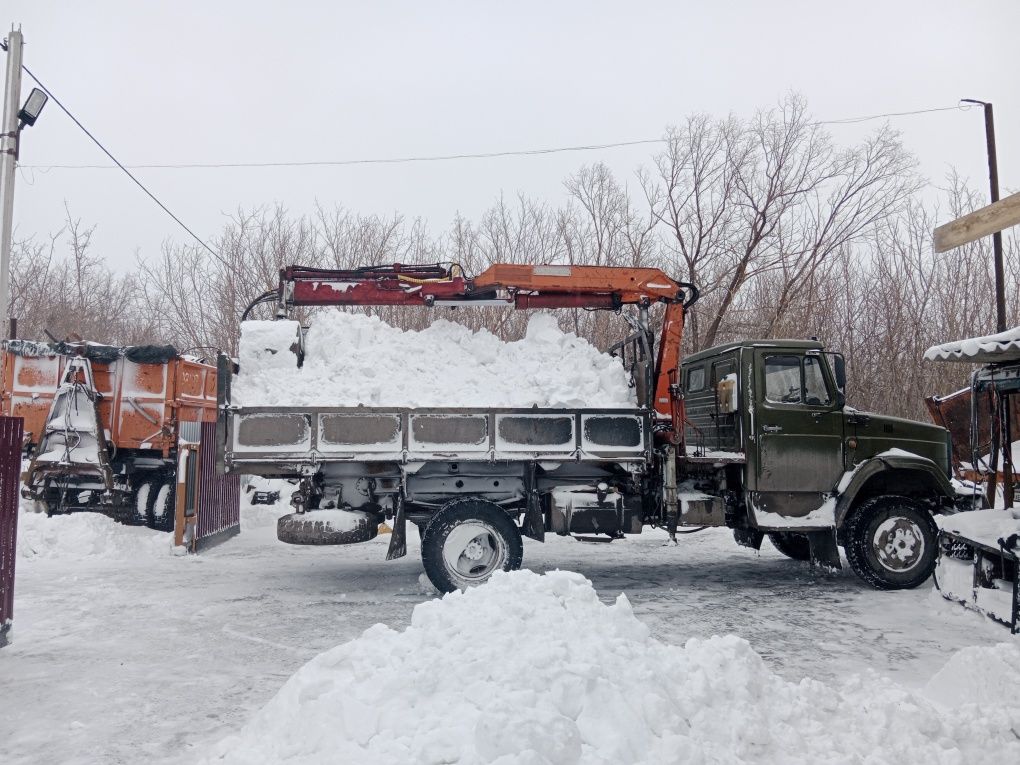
column 535, row 669
column 81, row 536
column 352, row 359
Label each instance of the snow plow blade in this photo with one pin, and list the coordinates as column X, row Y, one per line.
column 980, row 571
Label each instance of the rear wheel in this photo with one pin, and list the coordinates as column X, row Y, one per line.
column 791, row 544
column 467, row 541
column 891, row 542
column 164, row 506
column 144, row 497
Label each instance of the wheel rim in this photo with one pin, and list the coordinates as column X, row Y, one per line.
column 899, row 544
column 473, row 550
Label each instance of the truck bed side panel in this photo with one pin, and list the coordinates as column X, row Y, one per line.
column 272, row 437
column 28, row 387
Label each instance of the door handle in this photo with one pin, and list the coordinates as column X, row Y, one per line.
column 771, row 429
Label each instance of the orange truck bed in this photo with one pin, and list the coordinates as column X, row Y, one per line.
column 146, row 392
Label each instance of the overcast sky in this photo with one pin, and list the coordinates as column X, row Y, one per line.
column 191, row 81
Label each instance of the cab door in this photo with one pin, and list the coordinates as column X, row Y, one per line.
column 798, row 436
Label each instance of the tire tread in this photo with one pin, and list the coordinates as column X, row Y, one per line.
column 454, row 512
column 856, row 543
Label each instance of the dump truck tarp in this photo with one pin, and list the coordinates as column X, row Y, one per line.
column 140, row 354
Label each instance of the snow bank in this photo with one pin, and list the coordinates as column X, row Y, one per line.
column 86, row 535
column 987, row 675
column 264, row 516
column 353, row 359
column 535, row 669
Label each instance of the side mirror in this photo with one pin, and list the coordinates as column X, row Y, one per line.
column 839, row 370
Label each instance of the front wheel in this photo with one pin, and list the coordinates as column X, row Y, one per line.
column 891, row 542
column 467, row 541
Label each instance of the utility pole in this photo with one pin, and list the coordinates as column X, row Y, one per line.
column 993, row 180
column 8, row 159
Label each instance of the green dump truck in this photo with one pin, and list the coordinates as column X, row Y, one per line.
column 753, row 436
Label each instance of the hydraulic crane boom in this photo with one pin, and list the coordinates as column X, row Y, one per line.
column 502, row 284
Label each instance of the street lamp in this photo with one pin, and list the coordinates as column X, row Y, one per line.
column 28, row 114
column 33, row 106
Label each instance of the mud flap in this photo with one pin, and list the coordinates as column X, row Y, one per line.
column 534, row 523
column 748, row 538
column 398, row 539
column 824, row 550
column 534, row 519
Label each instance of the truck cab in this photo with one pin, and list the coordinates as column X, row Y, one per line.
column 768, row 430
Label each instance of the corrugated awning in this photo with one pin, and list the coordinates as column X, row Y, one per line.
column 990, row 349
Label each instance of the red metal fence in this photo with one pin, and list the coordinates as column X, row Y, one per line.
column 11, row 431
column 219, row 502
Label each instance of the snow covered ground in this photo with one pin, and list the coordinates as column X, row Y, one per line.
column 144, row 657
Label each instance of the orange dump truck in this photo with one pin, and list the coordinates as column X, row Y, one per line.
column 104, row 424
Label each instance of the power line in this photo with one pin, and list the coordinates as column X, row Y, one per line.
column 374, row 161
column 443, row 157
column 852, row 120
column 117, row 162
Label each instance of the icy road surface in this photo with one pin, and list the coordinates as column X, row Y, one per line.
column 152, row 658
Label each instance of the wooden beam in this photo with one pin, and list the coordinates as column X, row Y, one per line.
column 984, row 222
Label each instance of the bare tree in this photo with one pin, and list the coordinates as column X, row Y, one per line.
column 74, row 295
column 785, row 233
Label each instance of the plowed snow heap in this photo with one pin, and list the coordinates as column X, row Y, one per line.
column 353, row 359
column 535, row 669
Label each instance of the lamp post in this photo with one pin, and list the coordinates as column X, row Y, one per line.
column 993, row 181
column 14, row 121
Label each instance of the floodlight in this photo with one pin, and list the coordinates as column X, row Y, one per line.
column 33, row 106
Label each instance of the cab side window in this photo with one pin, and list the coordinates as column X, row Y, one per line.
column 782, row 379
column 795, row 380
column 695, row 379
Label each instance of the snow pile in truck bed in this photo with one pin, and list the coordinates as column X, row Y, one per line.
column 353, row 359
column 535, row 669
column 86, row 535
column 266, row 345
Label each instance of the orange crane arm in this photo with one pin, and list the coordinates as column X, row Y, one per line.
column 520, row 286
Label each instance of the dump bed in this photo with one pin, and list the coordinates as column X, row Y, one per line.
column 146, row 392
column 278, row 440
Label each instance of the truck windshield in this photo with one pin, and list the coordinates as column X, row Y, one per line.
column 795, row 380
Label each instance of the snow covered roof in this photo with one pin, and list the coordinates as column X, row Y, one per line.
column 1004, row 346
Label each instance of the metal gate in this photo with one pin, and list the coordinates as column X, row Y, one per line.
column 11, row 431
column 219, row 496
